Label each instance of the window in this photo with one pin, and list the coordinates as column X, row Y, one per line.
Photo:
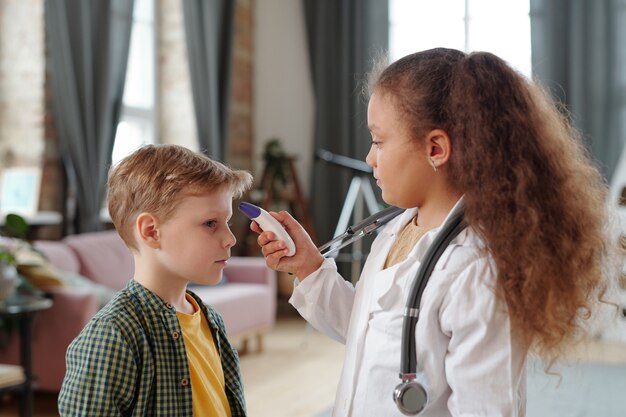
column 498, row 26
column 137, row 121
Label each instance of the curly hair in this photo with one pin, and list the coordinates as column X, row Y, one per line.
column 531, row 190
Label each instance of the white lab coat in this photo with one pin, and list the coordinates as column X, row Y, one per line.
column 467, row 359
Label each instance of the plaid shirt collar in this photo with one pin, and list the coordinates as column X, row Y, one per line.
column 228, row 355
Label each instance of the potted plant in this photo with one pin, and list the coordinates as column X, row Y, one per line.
column 14, row 229
column 275, row 160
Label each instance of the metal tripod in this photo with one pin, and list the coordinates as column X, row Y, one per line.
column 360, row 191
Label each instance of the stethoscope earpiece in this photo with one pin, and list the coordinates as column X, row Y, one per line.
column 410, row 397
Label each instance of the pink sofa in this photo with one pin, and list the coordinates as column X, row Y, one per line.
column 246, row 300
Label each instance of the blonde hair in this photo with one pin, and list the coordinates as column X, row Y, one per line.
column 155, row 177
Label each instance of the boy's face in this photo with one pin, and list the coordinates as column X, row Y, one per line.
column 195, row 241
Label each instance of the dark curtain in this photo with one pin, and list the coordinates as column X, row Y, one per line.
column 209, row 29
column 579, row 53
column 344, row 38
column 88, row 42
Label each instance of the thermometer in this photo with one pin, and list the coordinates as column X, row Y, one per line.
column 268, row 224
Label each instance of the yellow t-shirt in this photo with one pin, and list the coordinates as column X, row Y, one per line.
column 208, row 390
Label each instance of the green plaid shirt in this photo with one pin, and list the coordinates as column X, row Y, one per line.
column 130, row 360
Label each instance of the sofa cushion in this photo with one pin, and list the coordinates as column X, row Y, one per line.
column 244, row 307
column 104, row 257
column 59, row 255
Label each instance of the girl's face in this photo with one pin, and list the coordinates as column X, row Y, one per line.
column 400, row 162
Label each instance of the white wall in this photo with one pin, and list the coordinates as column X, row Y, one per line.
column 283, row 92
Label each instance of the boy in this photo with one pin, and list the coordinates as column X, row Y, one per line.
column 156, row 349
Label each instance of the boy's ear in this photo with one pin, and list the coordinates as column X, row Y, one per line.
column 147, row 230
column 439, row 146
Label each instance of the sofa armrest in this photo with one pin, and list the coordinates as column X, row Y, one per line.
column 72, row 307
column 251, row 270
column 53, row 331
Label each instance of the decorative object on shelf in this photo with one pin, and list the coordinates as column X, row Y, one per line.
column 19, row 190
column 8, row 275
column 14, row 227
column 17, row 258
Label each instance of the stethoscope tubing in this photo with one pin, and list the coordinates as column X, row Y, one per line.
column 408, row 355
column 450, row 229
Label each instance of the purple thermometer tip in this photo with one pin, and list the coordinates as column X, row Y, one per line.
column 250, row 210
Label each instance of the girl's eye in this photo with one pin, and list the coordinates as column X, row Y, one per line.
column 211, row 224
column 376, row 144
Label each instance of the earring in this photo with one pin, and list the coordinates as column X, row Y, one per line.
column 432, row 163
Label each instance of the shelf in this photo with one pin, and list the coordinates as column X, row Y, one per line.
column 11, row 375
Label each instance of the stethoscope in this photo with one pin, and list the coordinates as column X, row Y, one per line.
column 410, row 396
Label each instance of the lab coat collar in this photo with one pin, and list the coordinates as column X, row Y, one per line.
column 401, row 271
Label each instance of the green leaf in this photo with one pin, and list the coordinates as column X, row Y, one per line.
column 16, row 226
column 6, row 258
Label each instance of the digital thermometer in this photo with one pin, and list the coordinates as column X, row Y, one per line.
column 268, row 224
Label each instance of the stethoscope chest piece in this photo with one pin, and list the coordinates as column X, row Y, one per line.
column 410, row 397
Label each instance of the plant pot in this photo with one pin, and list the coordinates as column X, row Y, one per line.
column 8, row 281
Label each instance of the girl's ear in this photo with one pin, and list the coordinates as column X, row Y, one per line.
column 439, row 147
column 147, row 230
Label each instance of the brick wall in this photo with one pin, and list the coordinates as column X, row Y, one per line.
column 176, row 121
column 241, row 127
column 21, row 82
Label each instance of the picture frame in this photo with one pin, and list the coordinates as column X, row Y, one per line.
column 19, row 190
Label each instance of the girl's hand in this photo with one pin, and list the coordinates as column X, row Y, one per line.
column 307, row 258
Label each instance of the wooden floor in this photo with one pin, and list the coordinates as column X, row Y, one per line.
column 297, row 374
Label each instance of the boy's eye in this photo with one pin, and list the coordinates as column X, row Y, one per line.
column 211, row 224
column 376, row 143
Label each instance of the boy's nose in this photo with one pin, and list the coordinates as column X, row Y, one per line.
column 230, row 239
column 370, row 159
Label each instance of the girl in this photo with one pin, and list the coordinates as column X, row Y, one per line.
column 449, row 128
